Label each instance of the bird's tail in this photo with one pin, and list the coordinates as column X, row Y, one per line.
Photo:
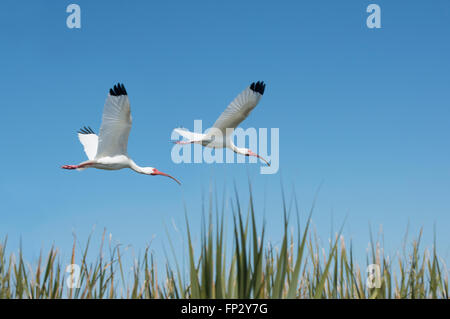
column 191, row 137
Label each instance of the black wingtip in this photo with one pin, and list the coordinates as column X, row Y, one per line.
column 258, row 87
column 86, row 130
column 118, row 90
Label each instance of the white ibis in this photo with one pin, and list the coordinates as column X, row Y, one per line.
column 220, row 134
column 108, row 150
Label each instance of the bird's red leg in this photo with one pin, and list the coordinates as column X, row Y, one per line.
column 70, row 166
column 183, row 142
column 76, row 166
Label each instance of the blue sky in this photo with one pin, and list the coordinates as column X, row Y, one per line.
column 365, row 112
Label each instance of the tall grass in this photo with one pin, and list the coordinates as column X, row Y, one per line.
column 250, row 267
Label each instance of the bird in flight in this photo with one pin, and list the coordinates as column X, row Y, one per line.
column 108, row 150
column 220, row 134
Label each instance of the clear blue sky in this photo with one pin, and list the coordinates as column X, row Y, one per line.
column 364, row 111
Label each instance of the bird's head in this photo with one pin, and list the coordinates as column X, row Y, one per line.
column 153, row 171
column 248, row 152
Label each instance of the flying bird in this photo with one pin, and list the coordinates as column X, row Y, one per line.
column 108, row 150
column 220, row 134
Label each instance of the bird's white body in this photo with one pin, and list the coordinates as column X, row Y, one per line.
column 220, row 135
column 113, row 162
column 108, row 150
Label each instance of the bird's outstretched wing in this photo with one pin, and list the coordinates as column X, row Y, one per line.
column 116, row 123
column 89, row 140
column 240, row 108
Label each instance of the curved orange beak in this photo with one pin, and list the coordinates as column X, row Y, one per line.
column 156, row 172
column 250, row 153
